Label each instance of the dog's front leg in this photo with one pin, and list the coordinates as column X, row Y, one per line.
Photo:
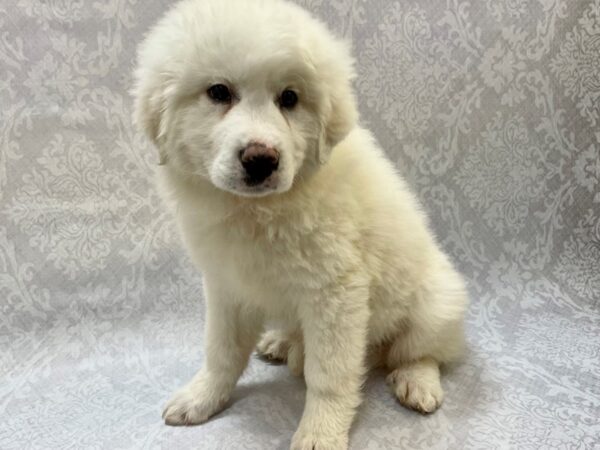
column 335, row 335
column 230, row 336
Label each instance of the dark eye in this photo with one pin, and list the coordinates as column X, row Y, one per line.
column 219, row 93
column 288, row 99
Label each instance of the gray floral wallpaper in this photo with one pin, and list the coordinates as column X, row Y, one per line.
column 491, row 109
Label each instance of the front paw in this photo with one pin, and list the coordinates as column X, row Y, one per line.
column 192, row 405
column 304, row 440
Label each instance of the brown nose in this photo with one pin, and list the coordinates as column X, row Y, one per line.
column 259, row 161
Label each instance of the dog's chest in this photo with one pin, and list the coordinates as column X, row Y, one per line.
column 264, row 260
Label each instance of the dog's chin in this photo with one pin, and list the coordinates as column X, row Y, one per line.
column 254, row 191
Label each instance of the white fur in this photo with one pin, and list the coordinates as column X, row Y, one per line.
column 333, row 245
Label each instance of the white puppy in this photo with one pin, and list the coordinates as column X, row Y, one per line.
column 292, row 213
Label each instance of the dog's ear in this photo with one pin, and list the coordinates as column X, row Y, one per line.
column 339, row 112
column 150, row 110
column 340, row 118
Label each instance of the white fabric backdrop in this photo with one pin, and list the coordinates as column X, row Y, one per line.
column 490, row 108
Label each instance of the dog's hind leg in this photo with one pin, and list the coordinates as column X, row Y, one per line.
column 433, row 337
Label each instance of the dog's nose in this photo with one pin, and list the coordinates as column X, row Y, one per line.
column 259, row 161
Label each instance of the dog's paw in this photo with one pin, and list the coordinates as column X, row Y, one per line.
column 309, row 441
column 280, row 345
column 191, row 406
column 274, row 345
column 421, row 393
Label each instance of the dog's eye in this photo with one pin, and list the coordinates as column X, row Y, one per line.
column 219, row 93
column 288, row 99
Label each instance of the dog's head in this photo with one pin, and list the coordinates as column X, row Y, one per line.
column 247, row 94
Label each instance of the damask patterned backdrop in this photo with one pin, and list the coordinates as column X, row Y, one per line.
column 490, row 108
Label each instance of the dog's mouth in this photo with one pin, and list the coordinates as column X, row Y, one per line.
column 260, row 182
column 249, row 187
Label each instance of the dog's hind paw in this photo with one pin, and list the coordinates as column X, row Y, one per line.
column 283, row 346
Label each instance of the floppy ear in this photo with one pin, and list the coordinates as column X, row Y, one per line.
column 149, row 108
column 339, row 116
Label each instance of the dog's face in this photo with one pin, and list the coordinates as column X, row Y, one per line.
column 248, row 95
column 248, row 134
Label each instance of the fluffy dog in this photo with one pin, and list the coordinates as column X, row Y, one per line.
column 292, row 213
